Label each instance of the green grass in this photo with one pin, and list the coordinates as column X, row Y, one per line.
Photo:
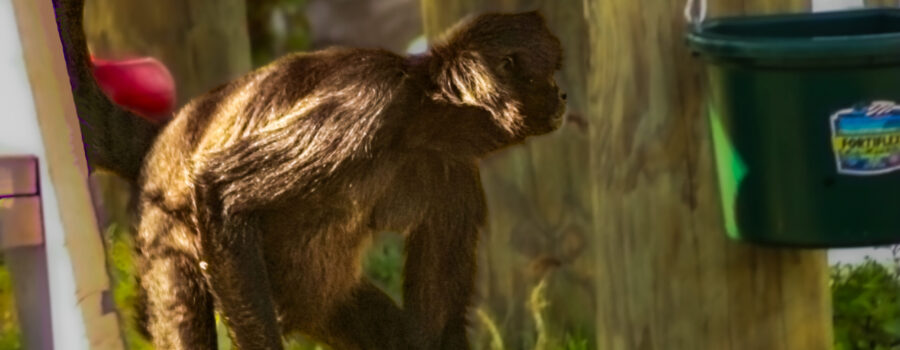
column 10, row 334
column 120, row 261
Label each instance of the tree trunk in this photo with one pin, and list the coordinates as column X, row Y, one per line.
column 539, row 227
column 667, row 277
column 68, row 171
column 203, row 42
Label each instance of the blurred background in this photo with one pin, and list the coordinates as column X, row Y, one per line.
column 523, row 263
column 547, row 277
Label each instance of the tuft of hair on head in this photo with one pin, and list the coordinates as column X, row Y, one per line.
column 462, row 70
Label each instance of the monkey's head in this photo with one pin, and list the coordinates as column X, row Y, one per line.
column 505, row 64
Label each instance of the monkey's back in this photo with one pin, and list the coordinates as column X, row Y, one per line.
column 306, row 95
column 317, row 120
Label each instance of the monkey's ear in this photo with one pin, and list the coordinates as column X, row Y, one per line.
column 464, row 78
column 507, row 64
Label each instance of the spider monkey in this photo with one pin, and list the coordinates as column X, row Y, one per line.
column 258, row 198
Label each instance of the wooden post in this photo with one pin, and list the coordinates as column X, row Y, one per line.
column 667, row 277
column 59, row 126
column 201, row 55
column 539, row 226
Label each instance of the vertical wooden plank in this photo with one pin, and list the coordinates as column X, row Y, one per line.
column 667, row 276
column 67, row 167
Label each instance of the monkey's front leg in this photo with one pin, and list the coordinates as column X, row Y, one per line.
column 236, row 272
column 439, row 282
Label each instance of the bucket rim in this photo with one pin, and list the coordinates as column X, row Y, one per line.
column 708, row 41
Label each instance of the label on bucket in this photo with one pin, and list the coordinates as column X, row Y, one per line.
column 866, row 140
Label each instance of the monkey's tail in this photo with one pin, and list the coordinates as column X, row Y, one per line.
column 114, row 138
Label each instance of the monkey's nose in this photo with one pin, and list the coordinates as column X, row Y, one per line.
column 564, row 95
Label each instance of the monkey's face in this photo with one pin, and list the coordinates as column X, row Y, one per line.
column 521, row 56
column 505, row 64
column 532, row 84
column 525, row 58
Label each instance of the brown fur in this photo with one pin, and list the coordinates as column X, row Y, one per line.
column 260, row 196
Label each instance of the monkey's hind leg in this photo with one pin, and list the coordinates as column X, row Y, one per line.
column 179, row 308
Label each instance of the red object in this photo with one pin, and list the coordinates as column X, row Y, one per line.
column 142, row 85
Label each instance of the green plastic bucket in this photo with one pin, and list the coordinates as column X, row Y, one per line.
column 800, row 160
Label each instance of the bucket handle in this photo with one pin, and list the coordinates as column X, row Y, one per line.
column 695, row 12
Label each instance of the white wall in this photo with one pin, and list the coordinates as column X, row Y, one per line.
column 20, row 134
column 832, row 5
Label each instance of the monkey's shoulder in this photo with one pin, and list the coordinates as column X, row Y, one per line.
column 298, row 94
column 336, row 64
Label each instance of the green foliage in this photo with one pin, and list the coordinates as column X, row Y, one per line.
column 866, row 299
column 302, row 344
column 543, row 338
column 10, row 334
column 120, row 261
column 384, row 265
column 276, row 27
column 576, row 341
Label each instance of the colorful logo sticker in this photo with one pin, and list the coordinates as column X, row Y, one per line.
column 866, row 140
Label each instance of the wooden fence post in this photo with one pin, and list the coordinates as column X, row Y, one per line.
column 667, row 278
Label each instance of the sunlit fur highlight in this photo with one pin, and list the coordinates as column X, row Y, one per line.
column 259, row 197
column 275, row 183
column 466, row 80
